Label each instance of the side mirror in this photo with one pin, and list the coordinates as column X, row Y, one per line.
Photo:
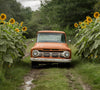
column 32, row 40
column 69, row 41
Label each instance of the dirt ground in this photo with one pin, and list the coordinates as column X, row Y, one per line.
column 74, row 80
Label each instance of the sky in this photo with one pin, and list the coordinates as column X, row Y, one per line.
column 33, row 4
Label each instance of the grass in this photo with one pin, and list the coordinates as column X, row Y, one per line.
column 53, row 78
column 30, row 44
column 88, row 71
column 12, row 78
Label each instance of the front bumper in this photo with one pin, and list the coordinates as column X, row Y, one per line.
column 50, row 60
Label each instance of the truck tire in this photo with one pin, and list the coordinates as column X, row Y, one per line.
column 34, row 64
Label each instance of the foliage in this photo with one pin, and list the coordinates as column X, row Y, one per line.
column 12, row 44
column 14, row 9
column 12, row 78
column 97, row 6
column 88, row 37
column 65, row 12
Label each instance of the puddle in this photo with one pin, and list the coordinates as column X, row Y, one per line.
column 32, row 75
column 27, row 85
column 29, row 82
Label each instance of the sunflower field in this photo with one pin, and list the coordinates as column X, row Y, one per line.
column 12, row 46
column 88, row 37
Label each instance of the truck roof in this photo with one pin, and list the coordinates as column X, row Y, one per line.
column 50, row 31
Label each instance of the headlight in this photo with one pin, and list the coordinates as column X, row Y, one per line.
column 66, row 54
column 35, row 53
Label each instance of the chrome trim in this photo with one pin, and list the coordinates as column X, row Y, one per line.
column 50, row 60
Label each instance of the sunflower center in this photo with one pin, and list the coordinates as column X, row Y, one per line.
column 23, row 28
column 11, row 21
column 2, row 16
column 89, row 19
column 97, row 15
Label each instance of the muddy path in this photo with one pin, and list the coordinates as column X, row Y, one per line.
column 29, row 78
column 74, row 80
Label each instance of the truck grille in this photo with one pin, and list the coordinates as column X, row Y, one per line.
column 54, row 54
column 50, row 54
column 46, row 54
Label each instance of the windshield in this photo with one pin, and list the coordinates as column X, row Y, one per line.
column 51, row 37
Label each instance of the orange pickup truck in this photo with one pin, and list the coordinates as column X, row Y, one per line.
column 50, row 47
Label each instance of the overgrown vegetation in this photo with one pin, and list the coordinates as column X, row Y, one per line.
column 11, row 78
column 12, row 46
column 52, row 15
column 88, row 42
column 65, row 12
column 87, row 71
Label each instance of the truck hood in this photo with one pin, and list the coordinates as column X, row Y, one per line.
column 62, row 46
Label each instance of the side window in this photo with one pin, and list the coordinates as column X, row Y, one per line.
column 63, row 38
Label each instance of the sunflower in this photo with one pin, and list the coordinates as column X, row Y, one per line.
column 89, row 19
column 17, row 30
column 2, row 22
column 91, row 55
column 12, row 20
column 88, row 57
column 96, row 14
column 96, row 56
column 24, row 28
column 75, row 25
column 80, row 23
column 83, row 26
column 21, row 24
column 86, row 22
column 8, row 23
column 3, row 16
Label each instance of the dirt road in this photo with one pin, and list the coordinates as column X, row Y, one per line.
column 74, row 81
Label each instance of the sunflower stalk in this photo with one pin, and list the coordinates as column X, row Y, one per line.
column 11, row 41
column 88, row 38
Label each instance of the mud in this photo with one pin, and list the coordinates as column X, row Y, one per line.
column 29, row 78
column 75, row 82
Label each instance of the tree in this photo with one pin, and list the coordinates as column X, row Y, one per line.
column 97, row 6
column 66, row 12
column 15, row 10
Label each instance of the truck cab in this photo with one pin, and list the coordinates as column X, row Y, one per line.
column 51, row 47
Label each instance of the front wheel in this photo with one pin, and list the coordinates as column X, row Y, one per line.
column 67, row 65
column 34, row 64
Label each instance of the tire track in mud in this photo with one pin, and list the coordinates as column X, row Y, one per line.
column 34, row 74
column 31, row 76
column 75, row 82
